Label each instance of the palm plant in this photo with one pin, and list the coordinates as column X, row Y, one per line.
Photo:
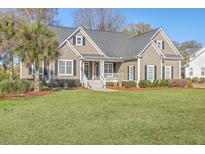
column 9, row 36
column 38, row 44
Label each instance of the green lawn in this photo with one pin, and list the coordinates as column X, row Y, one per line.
column 90, row 117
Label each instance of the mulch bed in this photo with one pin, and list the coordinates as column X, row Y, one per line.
column 28, row 94
column 135, row 88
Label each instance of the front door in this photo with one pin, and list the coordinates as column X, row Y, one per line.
column 86, row 67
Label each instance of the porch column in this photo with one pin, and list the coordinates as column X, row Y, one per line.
column 102, row 67
column 93, row 70
column 81, row 70
column 138, row 71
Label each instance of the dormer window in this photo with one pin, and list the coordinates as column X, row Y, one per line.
column 79, row 40
column 160, row 44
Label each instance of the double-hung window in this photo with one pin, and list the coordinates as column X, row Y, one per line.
column 203, row 71
column 41, row 68
column 150, row 72
column 131, row 72
column 190, row 71
column 160, row 44
column 65, row 67
column 79, row 40
column 168, row 72
column 108, row 69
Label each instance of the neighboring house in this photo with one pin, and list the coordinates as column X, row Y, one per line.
column 96, row 57
column 196, row 65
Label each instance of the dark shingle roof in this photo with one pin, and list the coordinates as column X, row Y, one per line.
column 192, row 51
column 62, row 32
column 113, row 44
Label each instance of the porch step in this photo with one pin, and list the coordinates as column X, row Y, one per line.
column 95, row 84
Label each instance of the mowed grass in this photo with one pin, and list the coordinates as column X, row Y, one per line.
column 91, row 117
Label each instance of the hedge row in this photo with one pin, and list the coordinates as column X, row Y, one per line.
column 65, row 83
column 165, row 83
column 17, row 86
column 155, row 83
column 129, row 84
column 198, row 80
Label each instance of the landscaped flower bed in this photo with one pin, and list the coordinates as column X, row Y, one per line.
column 20, row 95
column 135, row 88
column 153, row 85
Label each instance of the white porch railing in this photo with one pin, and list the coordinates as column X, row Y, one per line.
column 103, row 79
column 113, row 77
column 85, row 81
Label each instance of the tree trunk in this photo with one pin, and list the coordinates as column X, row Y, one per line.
column 11, row 67
column 36, row 80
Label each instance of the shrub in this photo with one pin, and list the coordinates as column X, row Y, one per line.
column 23, row 86
column 201, row 80
column 8, row 87
column 4, row 76
column 12, row 87
column 74, row 83
column 145, row 84
column 129, row 84
column 195, row 79
column 110, row 83
column 164, row 83
column 178, row 82
column 189, row 83
column 156, row 83
column 65, row 83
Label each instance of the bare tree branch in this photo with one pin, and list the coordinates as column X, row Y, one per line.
column 136, row 29
column 44, row 15
column 99, row 19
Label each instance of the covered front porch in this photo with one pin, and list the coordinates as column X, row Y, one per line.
column 99, row 70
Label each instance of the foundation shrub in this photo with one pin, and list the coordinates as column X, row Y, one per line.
column 129, row 84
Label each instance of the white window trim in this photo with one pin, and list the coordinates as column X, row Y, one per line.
column 201, row 71
column 32, row 69
column 161, row 42
column 76, row 38
column 170, row 76
column 42, row 69
column 152, row 73
column 111, row 74
column 190, row 71
column 65, row 60
column 129, row 73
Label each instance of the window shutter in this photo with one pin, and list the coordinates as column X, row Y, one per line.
column 145, row 72
column 155, row 72
column 128, row 73
column 133, row 72
column 74, row 40
column 162, row 45
column 172, row 72
column 30, row 70
column 56, row 67
column 45, row 70
column 114, row 67
column 83, row 40
column 163, row 72
column 74, row 67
